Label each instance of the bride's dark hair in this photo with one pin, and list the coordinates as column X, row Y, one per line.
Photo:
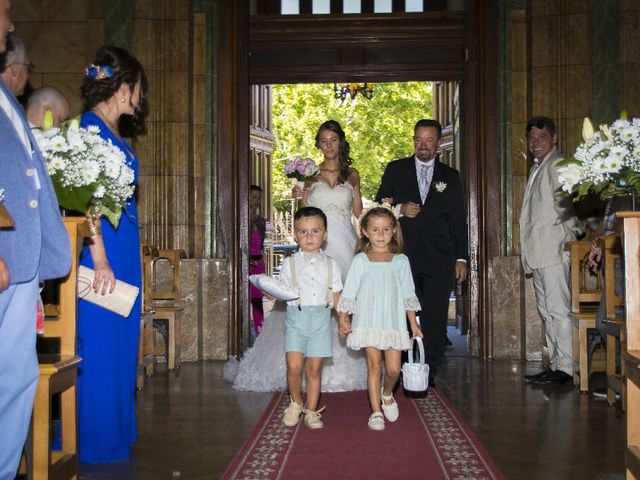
column 121, row 67
column 343, row 156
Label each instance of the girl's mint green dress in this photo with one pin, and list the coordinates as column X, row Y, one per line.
column 378, row 294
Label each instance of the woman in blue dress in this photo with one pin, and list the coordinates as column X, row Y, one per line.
column 113, row 90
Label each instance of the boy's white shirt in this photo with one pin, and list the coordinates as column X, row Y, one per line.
column 311, row 272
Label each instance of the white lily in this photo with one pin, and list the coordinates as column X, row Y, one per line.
column 587, row 130
column 607, row 131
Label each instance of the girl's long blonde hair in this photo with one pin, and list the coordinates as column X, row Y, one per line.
column 396, row 244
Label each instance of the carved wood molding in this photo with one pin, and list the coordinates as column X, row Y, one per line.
column 429, row 46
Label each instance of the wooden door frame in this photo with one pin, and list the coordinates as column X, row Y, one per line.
column 446, row 46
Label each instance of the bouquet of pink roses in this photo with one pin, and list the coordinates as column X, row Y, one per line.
column 301, row 169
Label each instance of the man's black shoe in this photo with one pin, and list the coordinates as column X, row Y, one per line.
column 432, row 382
column 541, row 374
column 448, row 342
column 555, row 378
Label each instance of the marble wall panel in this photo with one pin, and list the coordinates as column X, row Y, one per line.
column 26, row 11
column 176, row 45
column 215, row 309
column 199, row 197
column 144, row 43
column 94, row 37
column 71, row 10
column 146, row 9
column 190, row 286
column 198, row 87
column 199, row 46
column 175, row 99
column 181, row 10
column 519, row 162
column 178, row 199
column 544, row 53
column 518, row 188
column 177, row 148
column 519, row 94
column 199, row 240
column 630, row 93
column 545, row 92
column 575, row 6
column 504, row 278
column 518, row 42
column 577, row 44
column 205, row 309
column 55, row 50
column 543, row 8
column 577, row 95
column 199, row 156
column 534, row 336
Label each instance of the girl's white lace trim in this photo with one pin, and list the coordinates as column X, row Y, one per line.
column 347, row 305
column 412, row 303
column 378, row 338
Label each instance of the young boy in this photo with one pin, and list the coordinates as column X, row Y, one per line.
column 317, row 279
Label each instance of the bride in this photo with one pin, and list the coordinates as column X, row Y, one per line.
column 337, row 193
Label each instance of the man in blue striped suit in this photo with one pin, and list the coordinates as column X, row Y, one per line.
column 37, row 248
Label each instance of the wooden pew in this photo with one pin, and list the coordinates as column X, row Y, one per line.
column 584, row 306
column 58, row 374
column 611, row 248
column 631, row 354
column 146, row 347
column 165, row 305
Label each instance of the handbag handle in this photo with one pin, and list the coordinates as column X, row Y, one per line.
column 420, row 349
column 84, row 286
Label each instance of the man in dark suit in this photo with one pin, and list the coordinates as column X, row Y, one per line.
column 429, row 197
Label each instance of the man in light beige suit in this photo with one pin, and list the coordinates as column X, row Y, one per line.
column 548, row 221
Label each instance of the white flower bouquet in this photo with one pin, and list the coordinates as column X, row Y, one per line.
column 607, row 163
column 89, row 173
column 301, row 169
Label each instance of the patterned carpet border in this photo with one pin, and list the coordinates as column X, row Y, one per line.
column 264, row 454
column 456, row 450
column 460, row 453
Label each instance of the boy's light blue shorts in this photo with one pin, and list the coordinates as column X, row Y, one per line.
column 309, row 331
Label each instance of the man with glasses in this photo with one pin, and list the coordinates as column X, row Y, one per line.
column 36, row 249
column 429, row 197
column 17, row 68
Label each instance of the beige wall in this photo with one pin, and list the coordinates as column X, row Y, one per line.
column 61, row 37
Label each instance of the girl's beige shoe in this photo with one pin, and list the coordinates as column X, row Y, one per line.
column 376, row 421
column 312, row 419
column 390, row 410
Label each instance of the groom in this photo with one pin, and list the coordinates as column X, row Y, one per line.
column 429, row 197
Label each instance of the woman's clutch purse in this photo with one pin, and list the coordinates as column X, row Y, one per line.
column 120, row 301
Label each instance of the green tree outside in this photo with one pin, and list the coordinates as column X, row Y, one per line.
column 378, row 130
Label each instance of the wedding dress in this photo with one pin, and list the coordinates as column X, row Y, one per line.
column 263, row 369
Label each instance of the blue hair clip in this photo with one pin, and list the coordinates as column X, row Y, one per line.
column 98, row 72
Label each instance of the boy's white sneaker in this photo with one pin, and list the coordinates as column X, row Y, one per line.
column 390, row 411
column 312, row 419
column 291, row 415
column 376, row 421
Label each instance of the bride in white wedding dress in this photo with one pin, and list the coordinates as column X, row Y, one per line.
column 337, row 193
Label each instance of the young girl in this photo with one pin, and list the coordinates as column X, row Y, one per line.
column 380, row 293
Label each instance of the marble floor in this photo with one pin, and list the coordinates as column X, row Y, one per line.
column 191, row 423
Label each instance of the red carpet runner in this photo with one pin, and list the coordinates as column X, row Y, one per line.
column 429, row 441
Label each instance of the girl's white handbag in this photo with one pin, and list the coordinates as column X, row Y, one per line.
column 415, row 375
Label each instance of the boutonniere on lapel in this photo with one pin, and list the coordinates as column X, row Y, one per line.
column 440, row 186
